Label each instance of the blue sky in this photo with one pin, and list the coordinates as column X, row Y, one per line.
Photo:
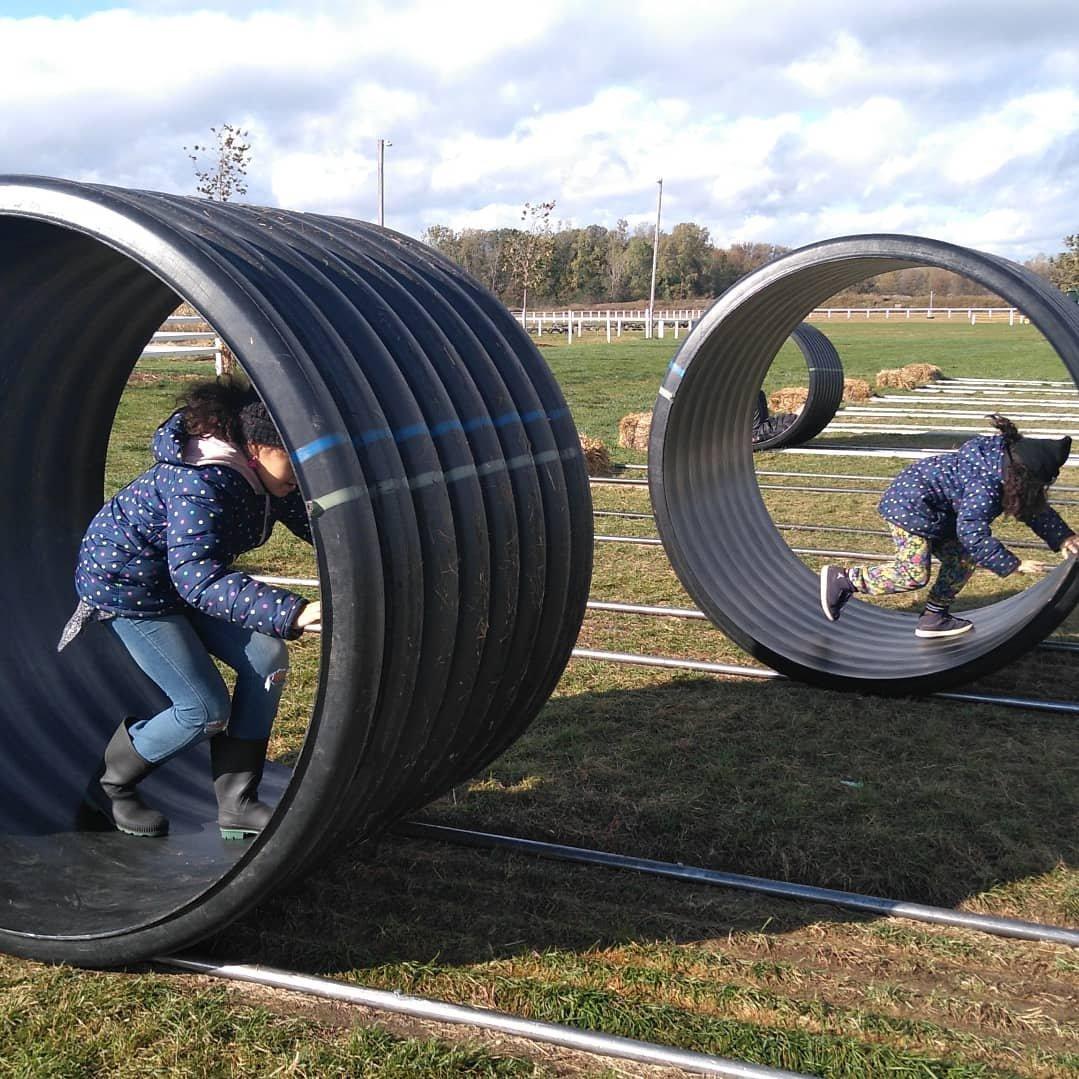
column 785, row 123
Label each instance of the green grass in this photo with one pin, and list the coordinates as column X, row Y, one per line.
column 928, row 801
column 603, row 382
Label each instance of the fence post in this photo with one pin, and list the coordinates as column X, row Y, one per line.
column 661, row 329
column 619, row 323
column 569, row 327
column 1011, row 316
column 219, row 359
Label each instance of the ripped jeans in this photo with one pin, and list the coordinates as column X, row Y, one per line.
column 175, row 652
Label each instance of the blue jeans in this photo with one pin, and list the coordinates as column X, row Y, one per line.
column 175, row 652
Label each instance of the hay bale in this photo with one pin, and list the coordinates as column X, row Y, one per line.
column 597, row 459
column 894, row 378
column 909, row 377
column 633, row 430
column 924, row 372
column 856, row 389
column 788, row 399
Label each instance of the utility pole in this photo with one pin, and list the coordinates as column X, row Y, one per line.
column 655, row 256
column 382, row 144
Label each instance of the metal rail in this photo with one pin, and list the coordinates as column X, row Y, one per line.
column 611, row 1045
column 828, row 476
column 798, row 488
column 613, row 607
column 669, row 662
column 869, row 904
column 796, row 527
column 650, row 541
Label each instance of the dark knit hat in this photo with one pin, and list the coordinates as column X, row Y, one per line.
column 1043, row 458
column 257, row 427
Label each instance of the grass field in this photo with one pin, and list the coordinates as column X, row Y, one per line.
column 923, row 800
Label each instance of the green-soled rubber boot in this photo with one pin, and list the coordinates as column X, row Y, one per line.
column 237, row 769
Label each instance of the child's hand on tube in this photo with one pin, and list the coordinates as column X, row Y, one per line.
column 310, row 615
column 1070, row 546
column 1032, row 566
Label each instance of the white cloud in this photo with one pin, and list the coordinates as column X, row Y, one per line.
column 942, row 121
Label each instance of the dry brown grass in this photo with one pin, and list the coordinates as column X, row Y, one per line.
column 633, row 430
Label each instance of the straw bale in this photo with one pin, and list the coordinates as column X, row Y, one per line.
column 633, row 430
column 788, row 399
column 924, row 372
column 597, row 459
column 909, row 377
column 856, row 389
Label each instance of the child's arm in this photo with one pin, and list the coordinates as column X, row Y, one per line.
column 974, row 514
column 1051, row 527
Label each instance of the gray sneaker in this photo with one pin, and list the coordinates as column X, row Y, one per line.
column 941, row 624
column 835, row 590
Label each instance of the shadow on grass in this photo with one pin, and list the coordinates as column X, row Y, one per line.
column 923, row 801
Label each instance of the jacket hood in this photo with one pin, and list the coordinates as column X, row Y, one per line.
column 168, row 441
column 173, row 446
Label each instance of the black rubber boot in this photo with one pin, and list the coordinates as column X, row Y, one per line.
column 113, row 792
column 237, row 768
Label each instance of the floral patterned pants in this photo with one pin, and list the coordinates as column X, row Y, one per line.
column 911, row 566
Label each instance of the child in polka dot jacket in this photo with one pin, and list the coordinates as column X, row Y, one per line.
column 944, row 506
column 155, row 568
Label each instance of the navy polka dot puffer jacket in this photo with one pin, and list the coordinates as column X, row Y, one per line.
column 168, row 539
column 958, row 496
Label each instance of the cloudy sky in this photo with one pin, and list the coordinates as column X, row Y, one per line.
column 768, row 121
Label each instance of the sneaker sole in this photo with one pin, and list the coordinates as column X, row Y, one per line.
column 943, row 632
column 824, row 594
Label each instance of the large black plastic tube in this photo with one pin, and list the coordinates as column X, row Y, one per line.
column 717, row 532
column 450, row 508
column 825, row 390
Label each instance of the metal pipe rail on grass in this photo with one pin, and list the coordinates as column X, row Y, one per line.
column 885, row 451
column 607, row 481
column 651, row 541
column 845, row 529
column 736, row 671
column 936, row 429
column 588, row 1041
column 868, row 904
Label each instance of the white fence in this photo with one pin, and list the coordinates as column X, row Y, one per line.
column 574, row 323
column 169, row 344
column 968, row 314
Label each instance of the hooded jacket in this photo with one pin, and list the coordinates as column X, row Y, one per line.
column 958, row 496
column 169, row 538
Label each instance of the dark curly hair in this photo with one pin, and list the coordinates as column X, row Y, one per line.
column 212, row 408
column 1023, row 495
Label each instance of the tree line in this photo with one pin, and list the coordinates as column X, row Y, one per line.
column 543, row 266
column 595, row 264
